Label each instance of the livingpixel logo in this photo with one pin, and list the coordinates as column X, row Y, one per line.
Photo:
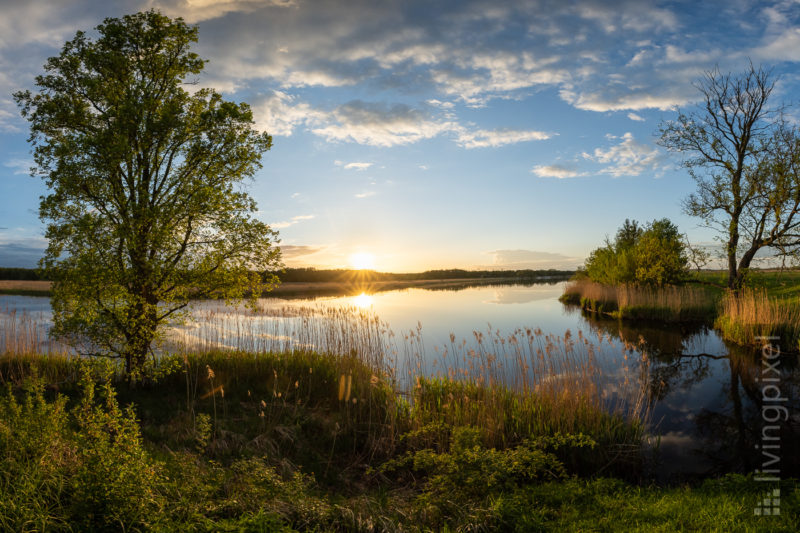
column 773, row 411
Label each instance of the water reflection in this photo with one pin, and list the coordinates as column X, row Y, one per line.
column 362, row 301
column 708, row 399
column 707, row 396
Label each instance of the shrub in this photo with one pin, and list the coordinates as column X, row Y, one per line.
column 654, row 255
column 36, row 456
column 115, row 486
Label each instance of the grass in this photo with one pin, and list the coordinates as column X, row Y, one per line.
column 668, row 304
column 320, row 420
column 768, row 306
column 753, row 314
column 266, row 455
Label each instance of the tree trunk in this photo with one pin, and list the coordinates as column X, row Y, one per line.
column 142, row 325
column 733, row 273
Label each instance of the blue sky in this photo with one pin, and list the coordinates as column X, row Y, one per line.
column 479, row 134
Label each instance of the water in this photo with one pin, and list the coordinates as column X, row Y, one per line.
column 708, row 397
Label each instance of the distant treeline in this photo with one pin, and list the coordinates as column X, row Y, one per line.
column 23, row 274
column 312, row 274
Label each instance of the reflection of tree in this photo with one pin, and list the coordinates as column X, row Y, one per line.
column 670, row 366
column 725, row 436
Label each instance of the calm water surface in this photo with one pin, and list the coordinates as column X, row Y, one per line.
column 707, row 396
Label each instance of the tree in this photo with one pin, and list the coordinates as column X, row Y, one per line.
column 650, row 255
column 146, row 206
column 744, row 157
column 661, row 254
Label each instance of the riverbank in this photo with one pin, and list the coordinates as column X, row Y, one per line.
column 768, row 307
column 303, row 441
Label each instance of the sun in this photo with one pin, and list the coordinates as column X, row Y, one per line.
column 362, row 261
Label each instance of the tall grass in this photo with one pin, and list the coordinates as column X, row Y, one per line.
column 668, row 303
column 752, row 314
column 375, row 385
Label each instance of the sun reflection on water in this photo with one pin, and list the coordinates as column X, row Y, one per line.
column 363, row 300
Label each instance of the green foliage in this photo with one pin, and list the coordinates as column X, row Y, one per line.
column 468, row 473
column 86, row 467
column 145, row 206
column 661, row 255
column 450, row 479
column 37, row 457
column 115, row 485
column 655, row 255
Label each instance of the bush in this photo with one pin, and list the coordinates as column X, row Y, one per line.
column 115, row 486
column 84, row 467
column 654, row 255
column 36, row 456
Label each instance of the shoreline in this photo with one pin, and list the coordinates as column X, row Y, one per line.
column 301, row 289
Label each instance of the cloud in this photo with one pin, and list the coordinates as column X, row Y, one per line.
column 494, row 138
column 366, row 194
column 634, row 116
column 20, row 255
column 379, row 124
column 280, row 113
column 599, row 55
column 289, row 251
column 629, row 158
column 531, row 259
column 20, row 167
column 556, row 171
column 352, row 166
column 292, row 222
column 199, row 10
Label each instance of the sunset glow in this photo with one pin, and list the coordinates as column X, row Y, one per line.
column 363, row 300
column 362, row 261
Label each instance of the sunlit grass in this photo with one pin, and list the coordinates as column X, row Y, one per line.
column 669, row 303
column 753, row 315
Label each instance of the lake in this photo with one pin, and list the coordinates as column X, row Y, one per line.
column 712, row 403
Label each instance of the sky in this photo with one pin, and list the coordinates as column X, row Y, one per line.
column 415, row 135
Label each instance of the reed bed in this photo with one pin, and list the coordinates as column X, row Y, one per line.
column 28, row 333
column 376, row 385
column 752, row 316
column 669, row 303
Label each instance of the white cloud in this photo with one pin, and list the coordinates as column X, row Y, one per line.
column 531, row 259
column 199, row 10
column 556, row 171
column 629, row 158
column 634, row 116
column 280, row 113
column 494, row 138
column 20, row 167
column 353, row 166
column 366, row 194
column 292, row 222
column 381, row 125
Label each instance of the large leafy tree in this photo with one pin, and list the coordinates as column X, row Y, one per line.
column 146, row 206
column 745, row 159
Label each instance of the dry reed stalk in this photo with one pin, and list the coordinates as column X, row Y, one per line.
column 752, row 313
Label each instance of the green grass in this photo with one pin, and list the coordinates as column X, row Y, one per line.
column 303, row 441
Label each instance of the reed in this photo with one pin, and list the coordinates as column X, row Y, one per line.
column 669, row 303
column 752, row 315
column 372, row 384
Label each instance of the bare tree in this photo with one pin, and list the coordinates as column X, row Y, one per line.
column 744, row 157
